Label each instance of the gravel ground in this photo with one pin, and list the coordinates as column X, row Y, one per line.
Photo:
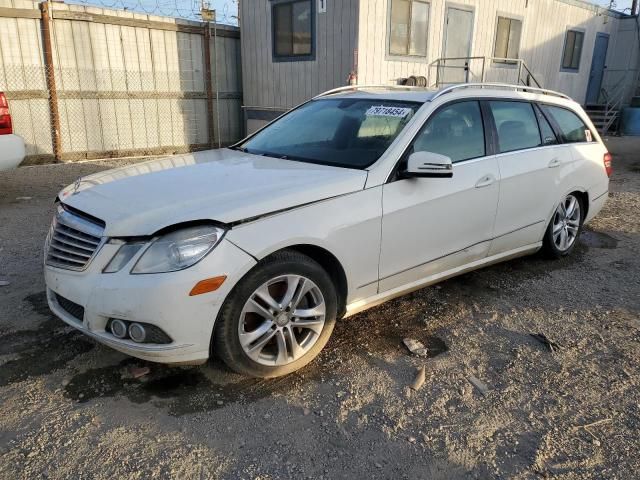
column 70, row 408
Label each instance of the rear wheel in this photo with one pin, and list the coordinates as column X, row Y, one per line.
column 564, row 228
column 278, row 318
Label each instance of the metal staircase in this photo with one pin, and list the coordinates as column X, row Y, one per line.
column 605, row 115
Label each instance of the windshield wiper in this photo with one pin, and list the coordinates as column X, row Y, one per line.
column 275, row 155
column 240, row 149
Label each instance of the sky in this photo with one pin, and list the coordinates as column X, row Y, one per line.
column 227, row 9
column 620, row 4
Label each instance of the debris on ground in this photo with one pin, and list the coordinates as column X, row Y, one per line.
column 138, row 372
column 592, row 424
column 418, row 381
column 4, row 283
column 23, row 198
column 550, row 344
column 416, row 347
column 479, row 384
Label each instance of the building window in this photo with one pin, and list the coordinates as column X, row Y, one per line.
column 292, row 29
column 508, row 34
column 409, row 22
column 572, row 50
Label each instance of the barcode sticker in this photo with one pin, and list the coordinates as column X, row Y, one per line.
column 382, row 111
column 587, row 133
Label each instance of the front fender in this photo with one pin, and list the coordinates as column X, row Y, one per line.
column 348, row 227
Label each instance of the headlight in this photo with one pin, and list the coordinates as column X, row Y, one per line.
column 168, row 253
column 178, row 250
column 124, row 254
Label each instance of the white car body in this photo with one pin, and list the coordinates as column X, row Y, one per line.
column 12, row 151
column 388, row 237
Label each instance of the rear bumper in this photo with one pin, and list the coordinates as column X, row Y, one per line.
column 12, row 151
column 158, row 299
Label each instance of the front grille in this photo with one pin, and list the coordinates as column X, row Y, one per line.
column 73, row 309
column 73, row 240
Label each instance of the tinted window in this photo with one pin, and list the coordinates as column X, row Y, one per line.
column 548, row 135
column 572, row 128
column 350, row 133
column 292, row 28
column 455, row 131
column 516, row 125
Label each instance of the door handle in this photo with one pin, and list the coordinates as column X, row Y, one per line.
column 555, row 162
column 485, row 181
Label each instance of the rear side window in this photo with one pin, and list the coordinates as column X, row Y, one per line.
column 572, row 128
column 516, row 125
column 455, row 131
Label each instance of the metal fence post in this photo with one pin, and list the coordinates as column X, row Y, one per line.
column 51, row 81
column 207, row 80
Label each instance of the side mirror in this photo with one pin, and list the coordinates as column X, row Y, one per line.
column 428, row 164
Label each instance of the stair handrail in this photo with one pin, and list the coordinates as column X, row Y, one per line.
column 521, row 64
column 614, row 101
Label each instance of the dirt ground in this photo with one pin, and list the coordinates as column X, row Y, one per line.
column 69, row 408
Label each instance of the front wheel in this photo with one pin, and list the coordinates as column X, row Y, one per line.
column 564, row 228
column 278, row 318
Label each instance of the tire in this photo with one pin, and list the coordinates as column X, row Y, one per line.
column 253, row 314
column 565, row 223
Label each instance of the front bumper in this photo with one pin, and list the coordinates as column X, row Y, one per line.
column 158, row 299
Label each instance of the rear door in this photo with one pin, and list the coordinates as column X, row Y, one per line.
column 529, row 159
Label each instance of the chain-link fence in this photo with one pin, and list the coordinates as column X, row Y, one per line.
column 119, row 87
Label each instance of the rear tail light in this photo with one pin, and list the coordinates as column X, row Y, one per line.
column 5, row 117
column 608, row 163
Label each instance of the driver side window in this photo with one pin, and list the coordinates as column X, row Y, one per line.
column 455, row 131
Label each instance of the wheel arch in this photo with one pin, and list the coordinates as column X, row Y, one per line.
column 578, row 191
column 332, row 266
column 584, row 196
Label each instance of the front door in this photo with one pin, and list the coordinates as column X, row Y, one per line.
column 433, row 225
column 458, row 32
column 597, row 68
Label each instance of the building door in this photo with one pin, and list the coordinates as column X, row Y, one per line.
column 458, row 32
column 597, row 68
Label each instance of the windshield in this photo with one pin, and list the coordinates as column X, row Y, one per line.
column 348, row 132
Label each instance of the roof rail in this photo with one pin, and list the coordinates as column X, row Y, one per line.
column 509, row 86
column 369, row 87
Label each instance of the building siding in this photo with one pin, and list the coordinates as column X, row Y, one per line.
column 545, row 23
column 282, row 85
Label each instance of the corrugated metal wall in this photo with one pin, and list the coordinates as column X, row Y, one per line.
column 127, row 83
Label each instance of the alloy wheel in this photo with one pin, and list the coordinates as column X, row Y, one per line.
column 282, row 320
column 566, row 223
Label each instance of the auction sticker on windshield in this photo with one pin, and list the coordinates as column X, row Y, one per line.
column 382, row 111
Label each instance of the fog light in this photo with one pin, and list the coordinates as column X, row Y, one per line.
column 118, row 328
column 137, row 332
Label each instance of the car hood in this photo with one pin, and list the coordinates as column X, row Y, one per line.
column 222, row 185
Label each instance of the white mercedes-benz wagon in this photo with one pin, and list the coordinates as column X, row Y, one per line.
column 357, row 196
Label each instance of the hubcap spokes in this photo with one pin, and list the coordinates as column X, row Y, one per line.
column 566, row 223
column 282, row 320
